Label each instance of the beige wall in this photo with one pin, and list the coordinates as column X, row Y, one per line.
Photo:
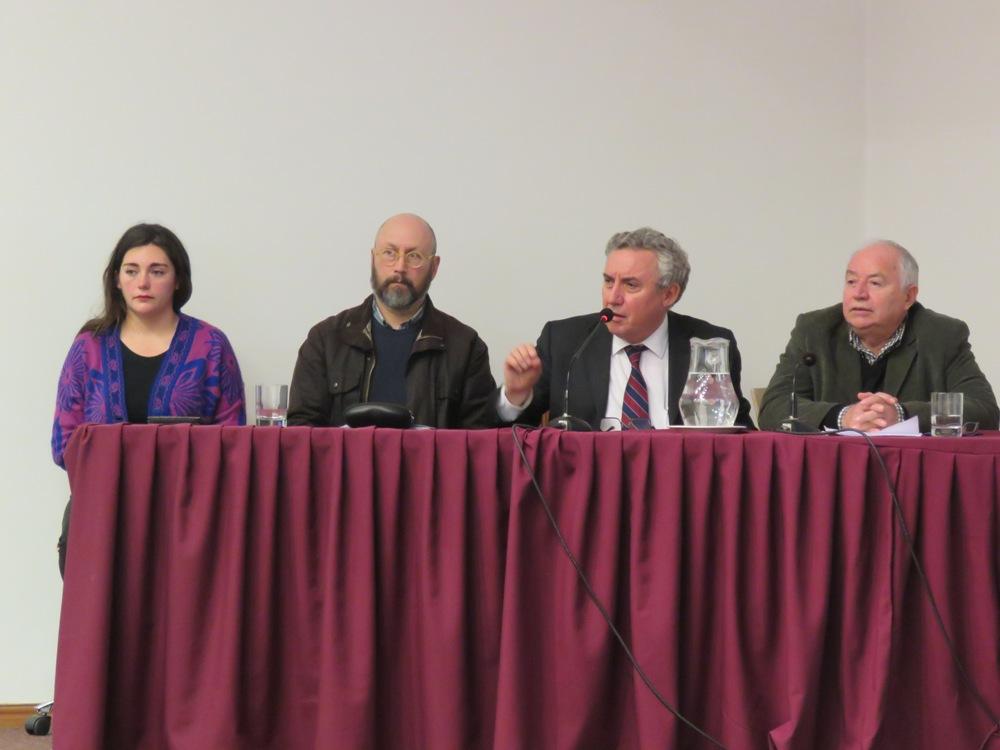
column 932, row 163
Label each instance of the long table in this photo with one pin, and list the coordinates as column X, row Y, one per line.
column 328, row 588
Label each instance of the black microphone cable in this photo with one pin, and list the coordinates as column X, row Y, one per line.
column 593, row 595
column 898, row 508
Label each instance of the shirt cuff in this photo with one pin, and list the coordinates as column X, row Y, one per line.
column 831, row 419
column 506, row 410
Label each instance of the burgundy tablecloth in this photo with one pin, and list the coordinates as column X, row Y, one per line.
column 262, row 588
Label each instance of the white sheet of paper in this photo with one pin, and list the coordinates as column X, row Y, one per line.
column 910, row 427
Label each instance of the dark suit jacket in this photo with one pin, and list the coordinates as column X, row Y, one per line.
column 934, row 355
column 591, row 376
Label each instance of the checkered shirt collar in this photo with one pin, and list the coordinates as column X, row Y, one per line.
column 870, row 356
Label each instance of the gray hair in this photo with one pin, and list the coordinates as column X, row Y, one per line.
column 670, row 257
column 909, row 271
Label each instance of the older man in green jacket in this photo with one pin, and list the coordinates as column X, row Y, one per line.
column 878, row 355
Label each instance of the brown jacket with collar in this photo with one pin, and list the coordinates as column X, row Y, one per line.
column 448, row 378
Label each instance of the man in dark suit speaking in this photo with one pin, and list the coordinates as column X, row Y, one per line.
column 644, row 348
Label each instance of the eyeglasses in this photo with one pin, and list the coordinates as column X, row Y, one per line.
column 390, row 256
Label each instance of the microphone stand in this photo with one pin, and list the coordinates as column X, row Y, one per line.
column 793, row 423
column 567, row 421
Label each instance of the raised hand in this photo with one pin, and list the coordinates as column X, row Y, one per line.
column 521, row 371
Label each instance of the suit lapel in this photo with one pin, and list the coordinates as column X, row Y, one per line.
column 898, row 366
column 846, row 370
column 596, row 361
column 679, row 360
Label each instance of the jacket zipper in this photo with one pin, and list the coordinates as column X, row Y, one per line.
column 371, row 365
column 368, row 379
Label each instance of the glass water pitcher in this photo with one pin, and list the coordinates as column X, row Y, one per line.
column 709, row 399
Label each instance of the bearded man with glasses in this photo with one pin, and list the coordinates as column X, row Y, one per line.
column 395, row 347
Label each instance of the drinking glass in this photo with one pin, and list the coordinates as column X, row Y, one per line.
column 272, row 405
column 946, row 414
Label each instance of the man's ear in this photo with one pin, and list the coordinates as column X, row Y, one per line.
column 671, row 294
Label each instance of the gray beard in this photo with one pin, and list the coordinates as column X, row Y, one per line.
column 396, row 298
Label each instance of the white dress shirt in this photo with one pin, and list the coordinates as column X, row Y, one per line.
column 654, row 366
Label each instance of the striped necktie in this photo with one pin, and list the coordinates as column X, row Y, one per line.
column 635, row 404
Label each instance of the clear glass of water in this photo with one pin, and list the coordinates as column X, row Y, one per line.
column 272, row 405
column 946, row 414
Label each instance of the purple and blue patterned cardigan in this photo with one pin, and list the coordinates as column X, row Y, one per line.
column 199, row 376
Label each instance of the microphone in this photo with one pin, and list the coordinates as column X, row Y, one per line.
column 566, row 421
column 793, row 423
